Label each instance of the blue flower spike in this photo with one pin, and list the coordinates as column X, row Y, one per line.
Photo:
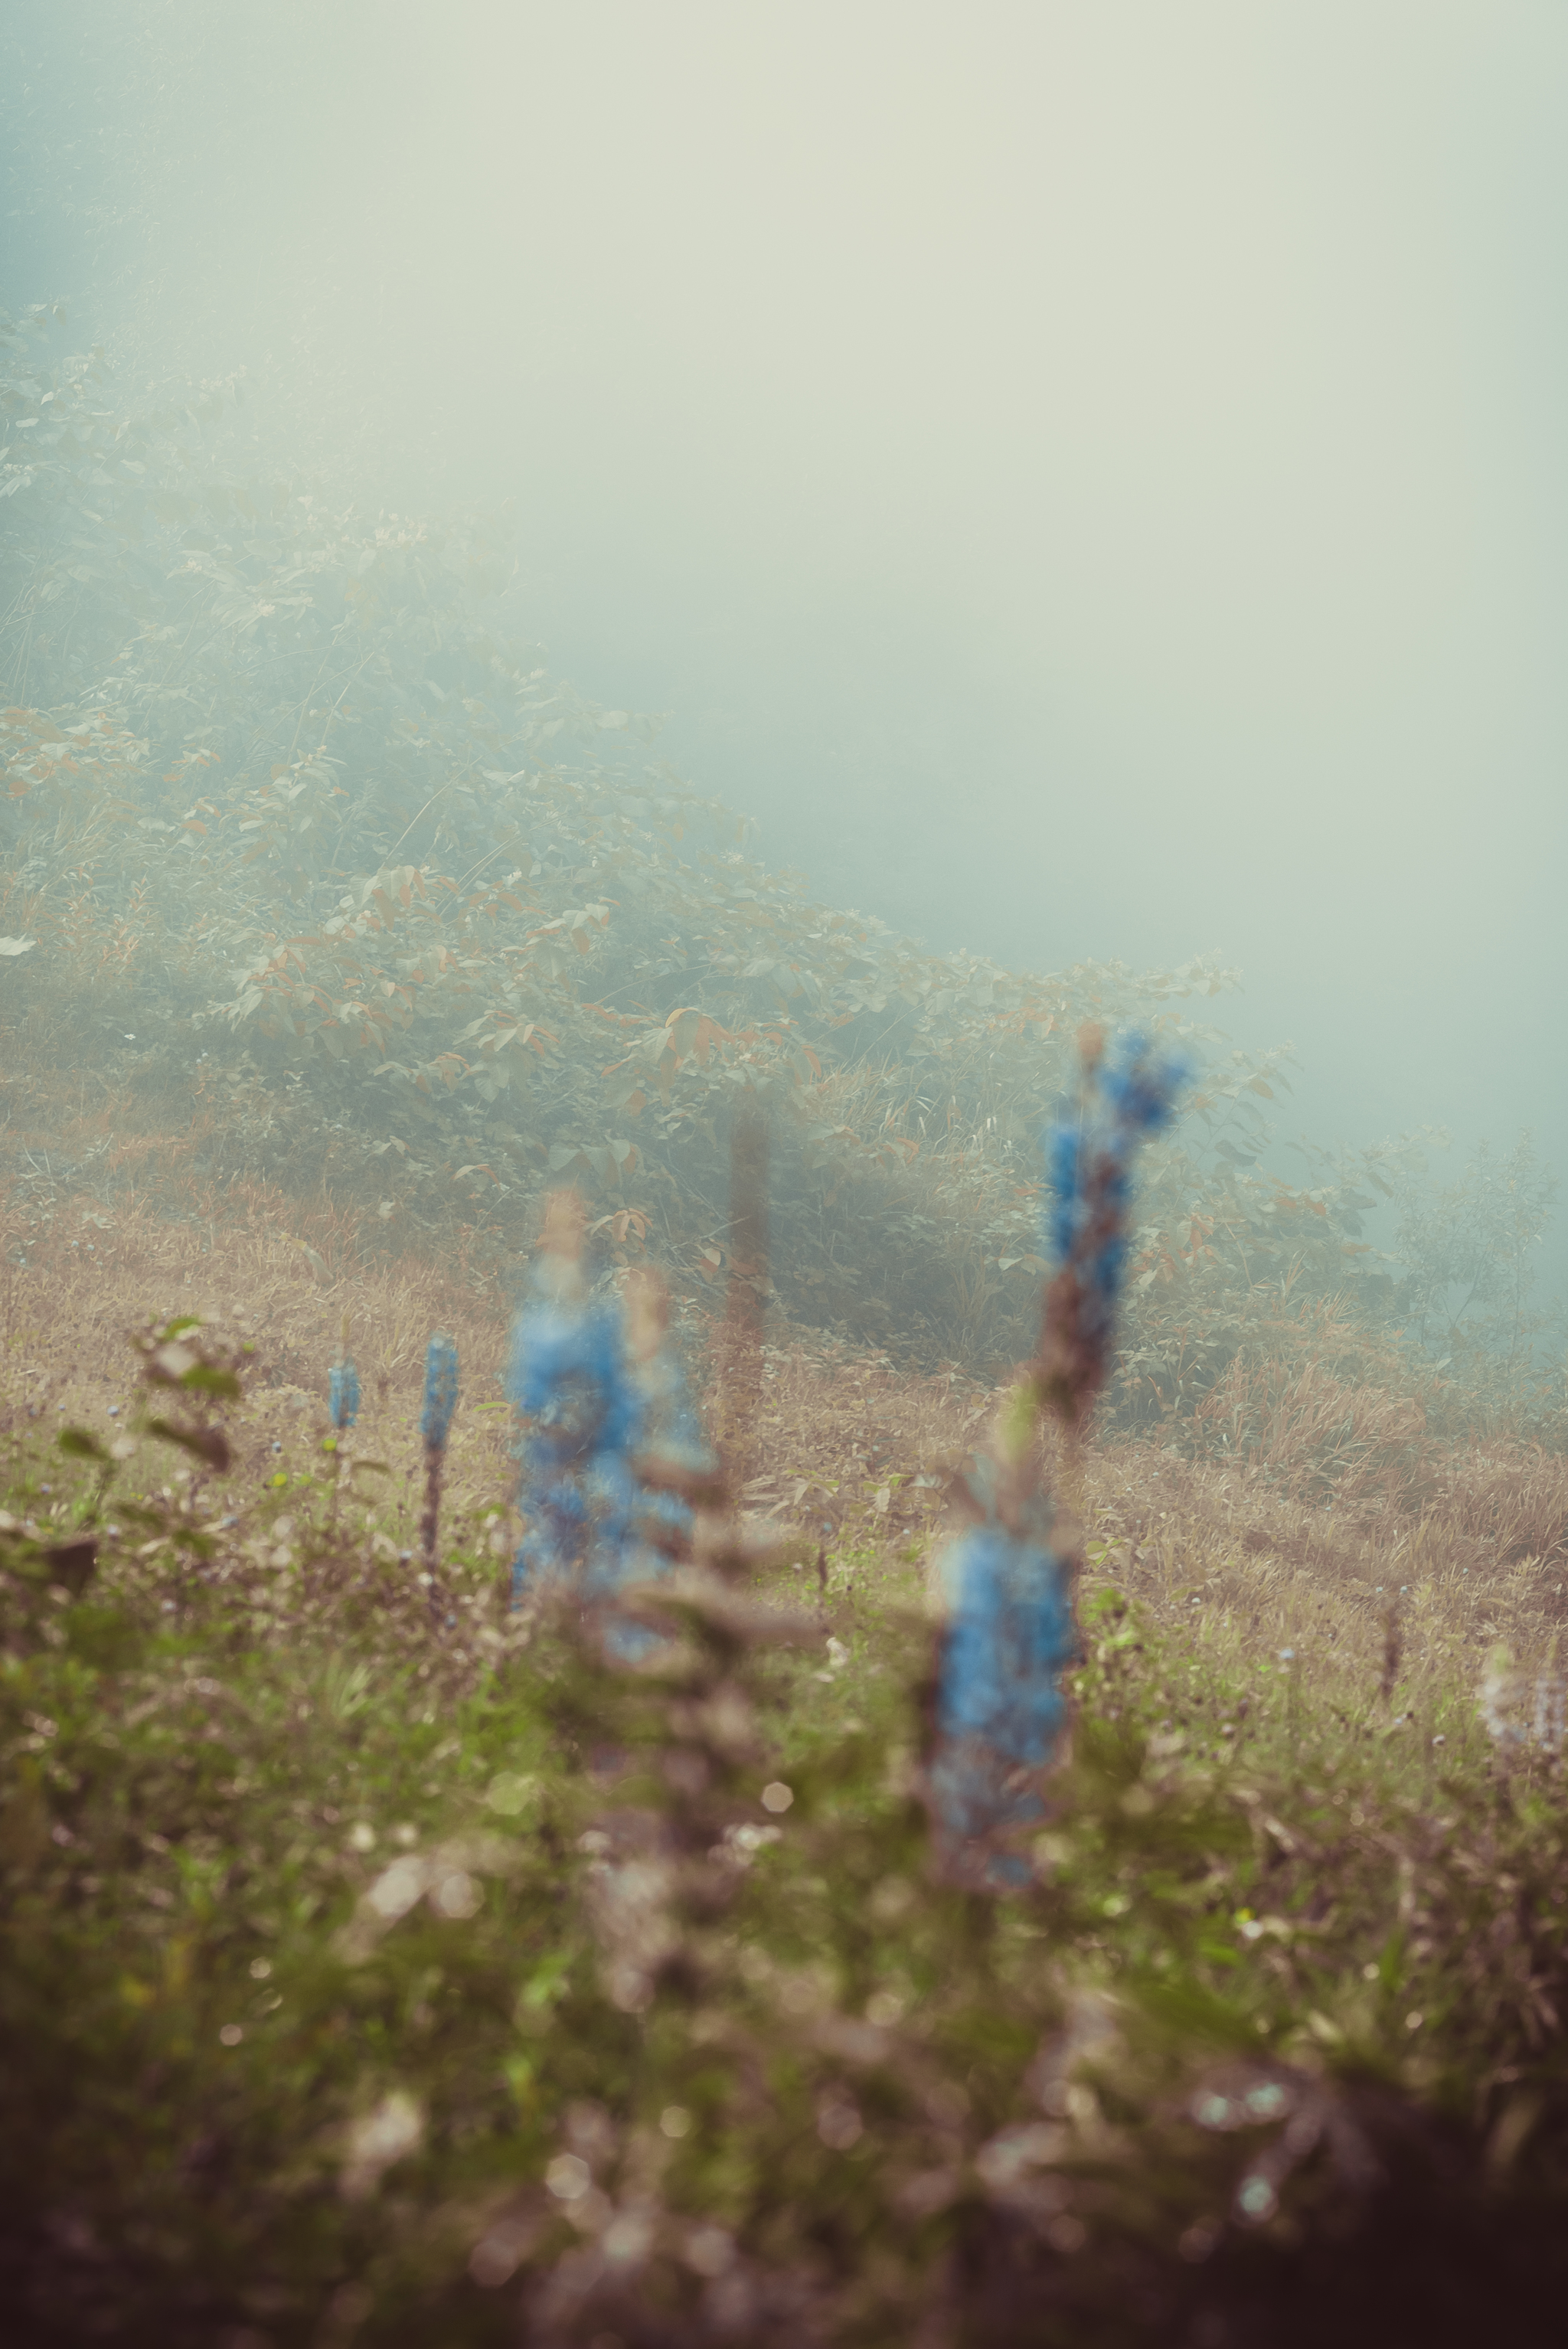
column 1002, row 1717
column 567, row 1378
column 1001, row 1714
column 1089, row 1150
column 612, row 1449
column 343, row 1395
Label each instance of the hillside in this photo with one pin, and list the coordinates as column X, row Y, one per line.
column 310, row 874
column 387, row 1960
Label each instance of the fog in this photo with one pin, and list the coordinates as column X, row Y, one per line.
column 1090, row 479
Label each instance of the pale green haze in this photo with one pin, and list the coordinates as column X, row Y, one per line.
column 1090, row 480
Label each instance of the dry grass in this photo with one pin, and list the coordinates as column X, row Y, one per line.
column 1434, row 1572
column 1311, row 1431
column 277, row 1273
column 1395, row 1613
column 1310, row 1545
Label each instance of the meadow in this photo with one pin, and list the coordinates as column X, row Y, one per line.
column 313, row 2023
column 383, row 1963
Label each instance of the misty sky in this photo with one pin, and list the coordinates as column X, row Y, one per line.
column 1090, row 478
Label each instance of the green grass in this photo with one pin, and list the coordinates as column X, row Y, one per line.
column 1271, row 2049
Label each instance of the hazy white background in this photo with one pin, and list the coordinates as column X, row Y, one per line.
column 1090, row 477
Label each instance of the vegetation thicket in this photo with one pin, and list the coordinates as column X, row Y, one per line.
column 382, row 1963
column 290, row 825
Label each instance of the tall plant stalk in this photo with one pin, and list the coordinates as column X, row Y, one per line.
column 1001, row 1714
column 435, row 1424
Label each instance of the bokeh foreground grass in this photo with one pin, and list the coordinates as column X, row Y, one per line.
column 342, row 2002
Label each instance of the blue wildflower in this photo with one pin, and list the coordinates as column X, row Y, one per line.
column 613, row 1453
column 1088, row 1155
column 1001, row 1714
column 570, row 1378
column 1009, row 1632
column 343, row 1393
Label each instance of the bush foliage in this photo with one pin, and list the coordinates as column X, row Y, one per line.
column 286, row 808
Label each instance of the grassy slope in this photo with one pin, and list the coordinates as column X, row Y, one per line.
column 858, row 2107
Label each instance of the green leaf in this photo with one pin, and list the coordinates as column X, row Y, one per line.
column 205, row 1443
column 80, row 1444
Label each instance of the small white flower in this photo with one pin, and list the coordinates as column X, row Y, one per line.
column 395, row 2129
